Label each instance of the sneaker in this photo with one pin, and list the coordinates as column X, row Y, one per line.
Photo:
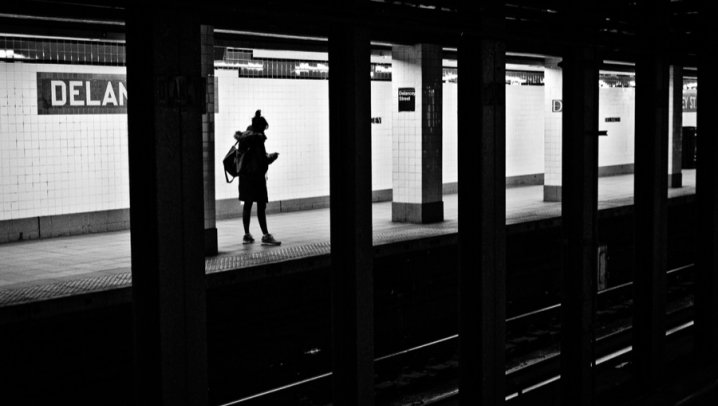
column 248, row 239
column 268, row 239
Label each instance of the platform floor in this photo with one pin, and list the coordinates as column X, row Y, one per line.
column 44, row 269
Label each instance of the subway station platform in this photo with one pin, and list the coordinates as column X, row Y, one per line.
column 40, row 270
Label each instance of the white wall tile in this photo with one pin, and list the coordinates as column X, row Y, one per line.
column 58, row 164
column 53, row 164
column 618, row 147
column 524, row 130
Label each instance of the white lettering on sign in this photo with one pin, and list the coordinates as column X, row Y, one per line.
column 74, row 92
column 81, row 93
column 88, row 95
column 54, row 84
column 109, row 96
column 123, row 94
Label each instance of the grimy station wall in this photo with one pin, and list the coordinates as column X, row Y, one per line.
column 63, row 141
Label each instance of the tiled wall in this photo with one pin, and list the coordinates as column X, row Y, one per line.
column 553, row 90
column 407, row 125
column 449, row 149
column 62, row 51
column 208, row 167
column 381, row 107
column 432, row 114
column 524, row 130
column 56, row 164
column 59, row 164
column 298, row 115
column 617, row 148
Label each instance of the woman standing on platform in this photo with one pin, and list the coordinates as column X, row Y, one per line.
column 253, row 177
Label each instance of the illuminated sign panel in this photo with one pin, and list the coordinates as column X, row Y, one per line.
column 81, row 93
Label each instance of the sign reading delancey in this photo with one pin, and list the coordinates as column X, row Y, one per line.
column 407, row 97
column 81, row 93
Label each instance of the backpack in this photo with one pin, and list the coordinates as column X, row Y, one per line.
column 231, row 163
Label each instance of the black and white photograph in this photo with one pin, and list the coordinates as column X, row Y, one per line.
column 358, row 203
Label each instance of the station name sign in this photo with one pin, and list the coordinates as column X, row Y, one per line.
column 407, row 99
column 81, row 93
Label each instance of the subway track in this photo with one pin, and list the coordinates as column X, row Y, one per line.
column 532, row 353
column 270, row 327
column 415, row 305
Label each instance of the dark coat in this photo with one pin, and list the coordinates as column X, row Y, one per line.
column 254, row 161
column 252, row 181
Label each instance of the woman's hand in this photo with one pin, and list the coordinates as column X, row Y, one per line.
column 272, row 157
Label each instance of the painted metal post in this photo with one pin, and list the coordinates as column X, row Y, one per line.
column 351, row 226
column 706, row 293
column 166, row 206
column 579, row 207
column 482, row 216
column 651, row 196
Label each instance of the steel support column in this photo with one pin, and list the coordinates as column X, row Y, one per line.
column 651, row 195
column 675, row 126
column 351, row 226
column 482, row 219
column 166, row 209
column 579, row 214
column 706, row 293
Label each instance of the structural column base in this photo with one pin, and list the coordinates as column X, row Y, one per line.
column 675, row 180
column 420, row 213
column 551, row 193
column 210, row 241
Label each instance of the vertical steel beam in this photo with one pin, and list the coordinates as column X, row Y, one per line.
column 651, row 194
column 482, row 217
column 166, row 206
column 706, row 293
column 675, row 126
column 351, row 226
column 579, row 214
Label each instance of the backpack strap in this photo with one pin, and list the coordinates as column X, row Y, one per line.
column 225, row 171
column 227, row 178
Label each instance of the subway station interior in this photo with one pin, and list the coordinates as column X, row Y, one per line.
column 474, row 203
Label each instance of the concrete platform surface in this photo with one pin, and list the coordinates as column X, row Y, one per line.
column 46, row 269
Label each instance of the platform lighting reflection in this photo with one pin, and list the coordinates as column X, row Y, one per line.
column 11, row 54
column 448, row 77
column 383, row 69
column 513, row 80
column 251, row 66
column 305, row 68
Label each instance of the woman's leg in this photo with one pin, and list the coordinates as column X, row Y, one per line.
column 247, row 215
column 262, row 216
